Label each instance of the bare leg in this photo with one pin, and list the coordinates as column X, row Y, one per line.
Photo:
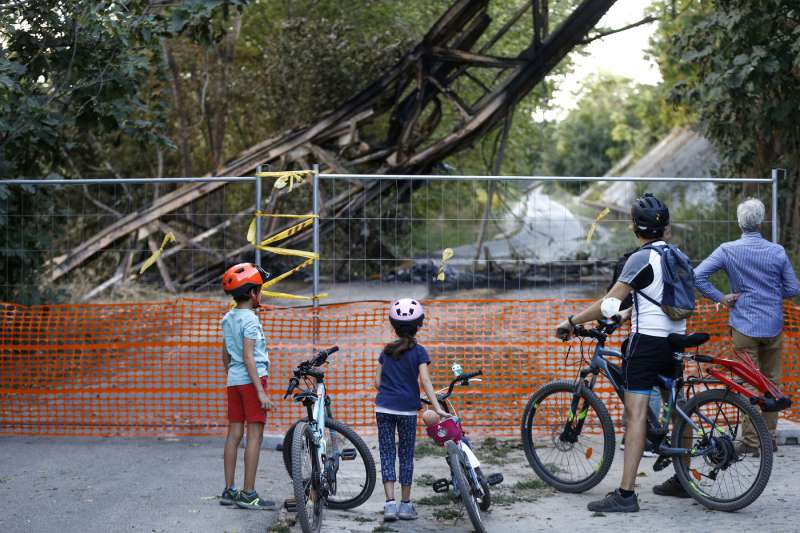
column 635, row 436
column 255, row 434
column 406, row 491
column 235, row 431
column 388, row 488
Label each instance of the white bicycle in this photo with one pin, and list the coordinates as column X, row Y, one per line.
column 315, row 447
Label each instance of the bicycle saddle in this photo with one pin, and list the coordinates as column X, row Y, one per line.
column 692, row 340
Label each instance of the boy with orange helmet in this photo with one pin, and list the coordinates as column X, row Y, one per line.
column 244, row 354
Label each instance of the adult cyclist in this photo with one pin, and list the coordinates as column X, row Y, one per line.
column 649, row 352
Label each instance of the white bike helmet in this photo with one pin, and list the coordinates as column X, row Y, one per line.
column 406, row 311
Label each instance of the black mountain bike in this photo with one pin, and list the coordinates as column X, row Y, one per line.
column 569, row 438
column 330, row 465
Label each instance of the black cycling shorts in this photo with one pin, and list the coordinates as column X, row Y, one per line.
column 646, row 358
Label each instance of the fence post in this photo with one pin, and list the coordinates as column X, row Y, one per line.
column 315, row 266
column 775, row 173
column 258, row 218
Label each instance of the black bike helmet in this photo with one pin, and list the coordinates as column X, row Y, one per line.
column 650, row 216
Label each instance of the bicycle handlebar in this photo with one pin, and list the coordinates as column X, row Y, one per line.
column 463, row 379
column 306, row 368
column 605, row 327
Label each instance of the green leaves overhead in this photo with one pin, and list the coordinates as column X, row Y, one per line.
column 734, row 66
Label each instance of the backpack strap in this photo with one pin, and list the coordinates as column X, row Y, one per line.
column 660, row 252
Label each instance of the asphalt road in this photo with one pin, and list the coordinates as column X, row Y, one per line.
column 115, row 485
column 120, row 485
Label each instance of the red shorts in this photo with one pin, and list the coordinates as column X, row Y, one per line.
column 243, row 404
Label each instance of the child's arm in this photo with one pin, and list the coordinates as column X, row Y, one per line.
column 249, row 346
column 425, row 378
column 226, row 357
column 378, row 376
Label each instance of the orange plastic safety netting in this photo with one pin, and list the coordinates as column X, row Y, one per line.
column 155, row 368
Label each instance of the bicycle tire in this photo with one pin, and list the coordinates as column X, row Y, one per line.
column 370, row 474
column 683, row 470
column 539, row 466
column 486, row 501
column 286, row 448
column 456, row 461
column 303, row 445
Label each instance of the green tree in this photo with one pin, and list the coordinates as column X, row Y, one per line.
column 612, row 118
column 735, row 67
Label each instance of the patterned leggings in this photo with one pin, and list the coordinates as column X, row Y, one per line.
column 407, row 428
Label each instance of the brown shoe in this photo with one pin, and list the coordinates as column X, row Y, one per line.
column 671, row 487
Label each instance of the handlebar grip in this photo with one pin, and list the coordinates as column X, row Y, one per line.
column 703, row 358
column 330, row 351
column 292, row 384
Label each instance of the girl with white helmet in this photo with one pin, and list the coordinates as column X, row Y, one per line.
column 403, row 366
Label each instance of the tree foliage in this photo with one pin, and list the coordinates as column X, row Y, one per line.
column 735, row 66
column 613, row 117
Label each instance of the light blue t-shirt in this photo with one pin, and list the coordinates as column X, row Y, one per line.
column 237, row 325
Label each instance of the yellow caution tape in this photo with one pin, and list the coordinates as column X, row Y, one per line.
column 286, row 274
column 292, row 177
column 285, row 234
column 168, row 238
column 269, row 294
column 603, row 214
column 310, row 257
column 447, row 254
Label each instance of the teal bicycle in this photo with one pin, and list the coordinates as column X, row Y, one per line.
column 316, row 448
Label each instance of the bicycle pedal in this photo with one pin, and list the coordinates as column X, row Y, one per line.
column 349, row 454
column 290, row 505
column 441, row 485
column 494, row 479
column 661, row 463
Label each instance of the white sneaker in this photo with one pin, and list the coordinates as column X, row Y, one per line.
column 390, row 511
column 407, row 511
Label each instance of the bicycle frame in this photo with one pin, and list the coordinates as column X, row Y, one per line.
column 317, row 413
column 599, row 364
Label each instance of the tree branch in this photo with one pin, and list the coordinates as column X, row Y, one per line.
column 600, row 35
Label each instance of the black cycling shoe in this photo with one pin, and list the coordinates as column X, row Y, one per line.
column 251, row 500
column 228, row 496
column 671, row 487
column 614, row 502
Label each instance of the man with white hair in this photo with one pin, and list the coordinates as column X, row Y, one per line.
column 761, row 277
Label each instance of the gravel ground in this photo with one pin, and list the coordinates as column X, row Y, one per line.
column 105, row 485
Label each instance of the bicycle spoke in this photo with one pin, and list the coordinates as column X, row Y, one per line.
column 572, row 460
column 724, row 475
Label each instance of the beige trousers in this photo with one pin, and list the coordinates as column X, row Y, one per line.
column 766, row 353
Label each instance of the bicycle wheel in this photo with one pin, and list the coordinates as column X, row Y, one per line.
column 356, row 477
column 461, row 475
column 723, row 479
column 305, row 479
column 562, row 457
column 485, row 501
column 286, row 448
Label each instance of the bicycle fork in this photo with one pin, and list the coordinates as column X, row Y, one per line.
column 576, row 416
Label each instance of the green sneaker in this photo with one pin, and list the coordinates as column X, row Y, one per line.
column 251, row 500
column 228, row 496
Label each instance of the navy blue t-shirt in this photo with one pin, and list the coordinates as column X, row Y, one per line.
column 399, row 387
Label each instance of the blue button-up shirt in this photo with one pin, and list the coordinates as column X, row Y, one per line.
column 760, row 272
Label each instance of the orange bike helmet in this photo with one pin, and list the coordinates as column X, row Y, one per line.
column 240, row 279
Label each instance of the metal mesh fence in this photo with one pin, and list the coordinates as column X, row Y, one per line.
column 47, row 228
column 515, row 237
